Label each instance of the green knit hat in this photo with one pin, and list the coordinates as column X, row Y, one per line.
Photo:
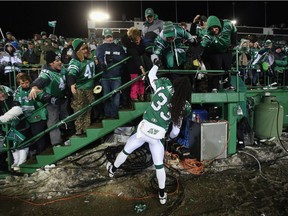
column 77, row 43
column 169, row 29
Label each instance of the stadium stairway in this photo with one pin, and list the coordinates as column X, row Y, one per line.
column 93, row 133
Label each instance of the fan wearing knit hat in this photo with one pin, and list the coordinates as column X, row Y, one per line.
column 168, row 30
column 169, row 46
column 51, row 57
column 79, row 45
column 81, row 71
column 51, row 81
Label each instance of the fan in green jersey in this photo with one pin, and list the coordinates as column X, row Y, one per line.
column 52, row 80
column 80, row 80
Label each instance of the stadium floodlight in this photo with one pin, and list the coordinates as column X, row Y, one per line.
column 98, row 16
column 234, row 21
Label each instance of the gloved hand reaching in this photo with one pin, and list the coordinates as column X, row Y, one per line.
column 157, row 62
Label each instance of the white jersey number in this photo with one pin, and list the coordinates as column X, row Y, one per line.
column 88, row 70
column 159, row 104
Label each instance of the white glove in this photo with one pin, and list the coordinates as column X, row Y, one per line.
column 193, row 39
column 200, row 75
column 154, row 57
column 11, row 114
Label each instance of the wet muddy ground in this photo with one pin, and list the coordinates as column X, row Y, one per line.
column 254, row 181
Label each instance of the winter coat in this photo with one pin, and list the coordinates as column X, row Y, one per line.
column 108, row 54
column 11, row 60
column 281, row 62
column 181, row 35
column 156, row 26
column 219, row 43
column 139, row 57
column 31, row 56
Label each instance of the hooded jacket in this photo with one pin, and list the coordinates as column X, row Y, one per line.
column 156, row 26
column 180, row 34
column 11, row 59
column 221, row 42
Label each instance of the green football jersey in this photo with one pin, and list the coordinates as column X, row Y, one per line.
column 29, row 106
column 57, row 82
column 159, row 110
column 83, row 71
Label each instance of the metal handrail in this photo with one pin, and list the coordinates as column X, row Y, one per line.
column 80, row 112
column 105, row 97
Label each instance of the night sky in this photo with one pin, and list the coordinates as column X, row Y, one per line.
column 25, row 18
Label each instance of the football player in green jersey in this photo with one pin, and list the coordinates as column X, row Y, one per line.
column 169, row 104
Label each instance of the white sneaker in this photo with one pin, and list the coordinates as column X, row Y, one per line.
column 230, row 88
column 16, row 168
column 67, row 143
column 163, row 199
column 13, row 165
column 109, row 169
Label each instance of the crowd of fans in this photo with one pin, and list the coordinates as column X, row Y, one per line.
column 61, row 71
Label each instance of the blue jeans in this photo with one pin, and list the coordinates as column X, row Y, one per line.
column 111, row 105
column 255, row 77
